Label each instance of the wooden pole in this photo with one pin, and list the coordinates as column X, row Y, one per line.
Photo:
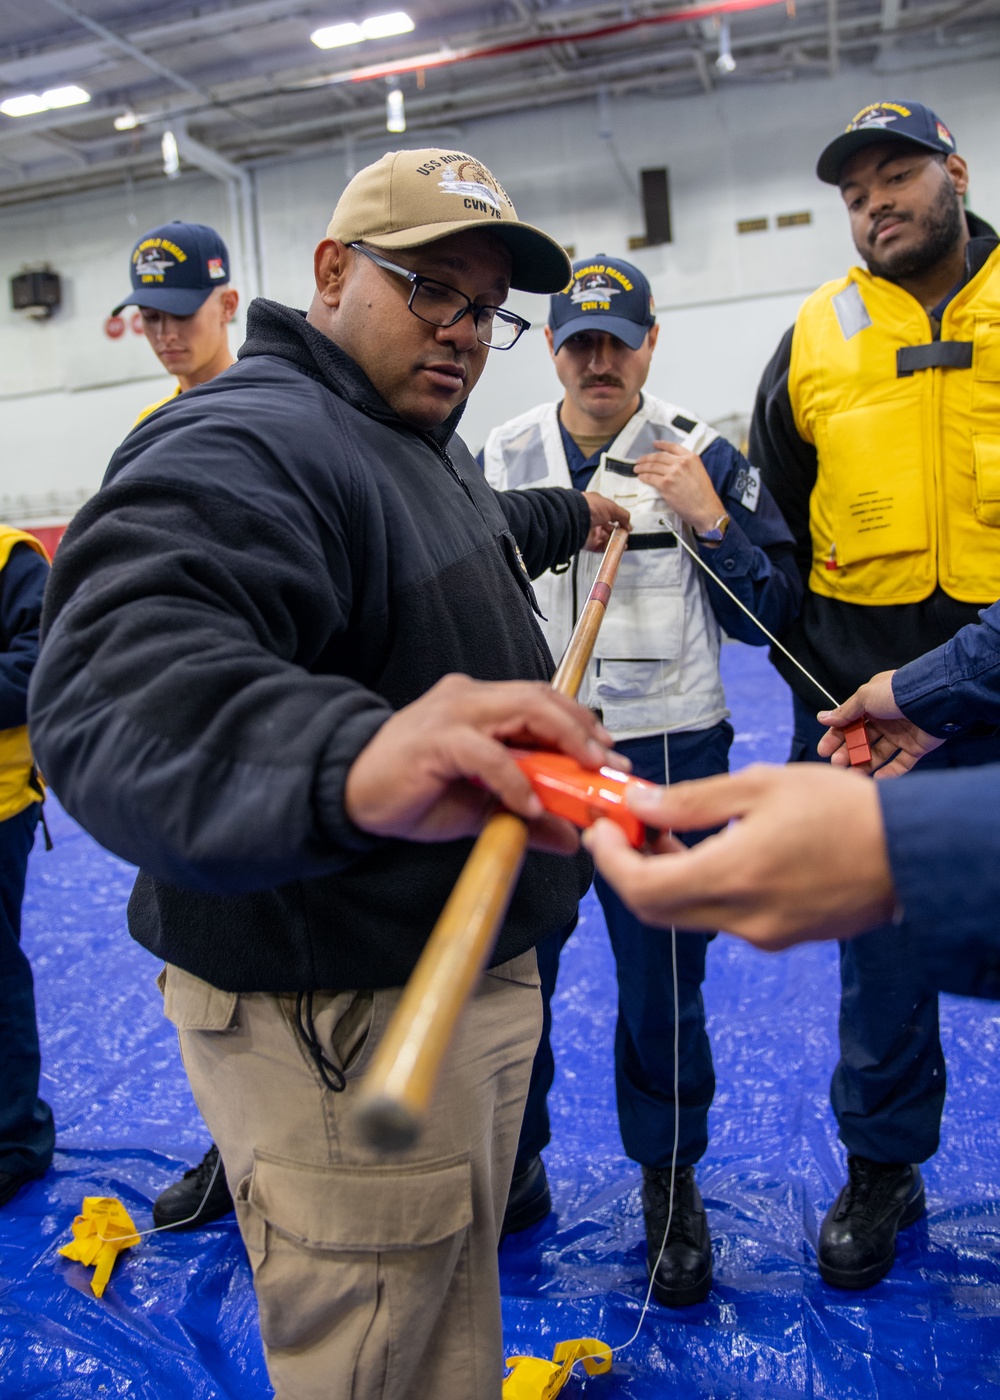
column 405, row 1067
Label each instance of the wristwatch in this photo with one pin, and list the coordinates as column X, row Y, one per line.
column 717, row 532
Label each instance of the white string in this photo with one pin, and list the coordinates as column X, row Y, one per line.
column 756, row 620
column 677, row 1126
column 174, row 1224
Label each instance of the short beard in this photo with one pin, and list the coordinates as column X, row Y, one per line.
column 942, row 230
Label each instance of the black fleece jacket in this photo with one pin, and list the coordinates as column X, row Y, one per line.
column 274, row 563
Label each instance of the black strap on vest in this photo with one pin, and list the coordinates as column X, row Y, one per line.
column 939, row 354
column 654, row 540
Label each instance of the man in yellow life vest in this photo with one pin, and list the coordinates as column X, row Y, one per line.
column 877, row 429
column 180, row 283
column 27, row 1133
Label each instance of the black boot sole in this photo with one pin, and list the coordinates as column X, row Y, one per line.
column 858, row 1279
column 695, row 1292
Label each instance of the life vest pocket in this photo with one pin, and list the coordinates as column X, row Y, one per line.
column 986, row 351
column 986, row 451
column 874, row 512
column 641, row 625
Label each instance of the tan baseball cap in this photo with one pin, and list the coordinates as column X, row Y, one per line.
column 409, row 198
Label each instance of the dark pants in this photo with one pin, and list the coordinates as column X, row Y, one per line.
column 27, row 1135
column 644, row 1038
column 888, row 1088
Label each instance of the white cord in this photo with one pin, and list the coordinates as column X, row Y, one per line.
column 174, row 1224
column 756, row 620
column 677, row 1122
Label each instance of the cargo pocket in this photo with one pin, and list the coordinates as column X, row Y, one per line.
column 353, row 1255
column 986, row 452
column 193, row 1005
column 872, row 518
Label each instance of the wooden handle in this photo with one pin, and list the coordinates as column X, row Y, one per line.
column 405, row 1066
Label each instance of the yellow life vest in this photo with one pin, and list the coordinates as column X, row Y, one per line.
column 19, row 781
column 152, row 407
column 907, row 434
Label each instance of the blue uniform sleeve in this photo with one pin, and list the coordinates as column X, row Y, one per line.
column 943, row 837
column 957, row 684
column 22, row 584
column 756, row 558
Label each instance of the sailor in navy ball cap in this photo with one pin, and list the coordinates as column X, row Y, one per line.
column 180, row 283
column 177, row 267
column 906, row 122
column 656, row 682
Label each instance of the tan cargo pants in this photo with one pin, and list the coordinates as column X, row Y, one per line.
column 376, row 1277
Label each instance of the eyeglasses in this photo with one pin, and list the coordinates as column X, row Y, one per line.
column 441, row 305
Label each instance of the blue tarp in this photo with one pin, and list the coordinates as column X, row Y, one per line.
column 178, row 1318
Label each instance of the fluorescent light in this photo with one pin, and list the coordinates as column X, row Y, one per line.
column 31, row 103
column 128, row 121
column 395, row 112
column 334, row 36
column 65, row 96
column 171, row 156
column 25, row 106
column 384, row 26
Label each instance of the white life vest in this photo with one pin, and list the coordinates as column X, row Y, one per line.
column 656, row 663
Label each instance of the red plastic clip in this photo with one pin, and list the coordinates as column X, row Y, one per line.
column 581, row 795
column 856, row 738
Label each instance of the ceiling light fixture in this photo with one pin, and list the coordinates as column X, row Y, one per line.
column 171, row 155
column 385, row 26
column 32, row 103
column 395, row 111
column 335, row 36
column 128, row 121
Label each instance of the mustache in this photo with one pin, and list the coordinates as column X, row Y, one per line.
column 591, row 381
column 877, row 227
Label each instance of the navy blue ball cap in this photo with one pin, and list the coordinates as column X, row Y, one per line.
column 879, row 122
column 605, row 294
column 176, row 267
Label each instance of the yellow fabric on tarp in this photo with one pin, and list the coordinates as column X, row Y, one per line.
column 531, row 1378
column 100, row 1232
column 908, row 488
column 19, row 785
column 152, row 407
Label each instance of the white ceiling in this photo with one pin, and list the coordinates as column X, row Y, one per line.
column 240, row 81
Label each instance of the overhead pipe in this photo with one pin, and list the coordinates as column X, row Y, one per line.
column 446, row 58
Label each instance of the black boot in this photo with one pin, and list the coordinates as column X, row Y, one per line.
column 857, row 1240
column 684, row 1274
column 528, row 1200
column 185, row 1206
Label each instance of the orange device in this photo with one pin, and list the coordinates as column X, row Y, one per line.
column 856, row 738
column 581, row 795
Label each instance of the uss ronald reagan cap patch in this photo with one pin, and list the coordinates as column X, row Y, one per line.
column 411, row 198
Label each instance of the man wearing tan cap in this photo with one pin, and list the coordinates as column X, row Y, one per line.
column 248, row 690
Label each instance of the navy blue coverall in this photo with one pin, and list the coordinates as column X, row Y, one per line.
column 755, row 559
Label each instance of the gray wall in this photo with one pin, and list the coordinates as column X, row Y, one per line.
column 68, row 394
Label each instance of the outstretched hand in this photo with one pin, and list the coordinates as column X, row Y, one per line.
column 805, row 857
column 432, row 770
column 896, row 742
